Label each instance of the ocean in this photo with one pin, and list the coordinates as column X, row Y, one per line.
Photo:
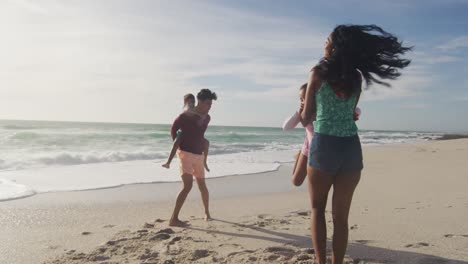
column 43, row 156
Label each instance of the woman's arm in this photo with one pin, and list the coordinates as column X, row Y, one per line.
column 357, row 113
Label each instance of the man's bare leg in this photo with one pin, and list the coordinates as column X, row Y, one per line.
column 205, row 197
column 188, row 182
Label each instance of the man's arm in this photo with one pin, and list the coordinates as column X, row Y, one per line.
column 207, row 121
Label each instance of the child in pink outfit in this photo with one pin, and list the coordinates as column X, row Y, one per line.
column 300, row 166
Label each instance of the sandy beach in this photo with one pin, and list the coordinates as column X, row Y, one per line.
column 411, row 206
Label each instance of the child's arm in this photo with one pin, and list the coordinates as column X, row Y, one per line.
column 176, row 125
column 175, row 146
column 292, row 121
column 175, row 134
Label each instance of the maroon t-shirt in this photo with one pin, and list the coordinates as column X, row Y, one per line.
column 193, row 132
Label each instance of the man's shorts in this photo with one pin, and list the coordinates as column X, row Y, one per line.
column 192, row 164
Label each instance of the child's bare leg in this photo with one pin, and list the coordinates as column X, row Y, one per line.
column 206, row 147
column 175, row 146
column 300, row 169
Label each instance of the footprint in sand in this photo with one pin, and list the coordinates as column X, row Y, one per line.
column 309, row 251
column 280, row 251
column 230, row 245
column 240, row 252
column 148, row 256
column 166, row 230
column 159, row 237
column 452, row 235
column 418, row 245
column 304, row 213
column 304, row 258
column 271, row 258
column 363, row 241
column 261, row 216
column 200, row 253
column 418, row 149
column 175, row 239
column 53, row 247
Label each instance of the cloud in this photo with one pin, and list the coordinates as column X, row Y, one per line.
column 30, row 6
column 131, row 55
column 456, row 43
column 414, row 106
column 433, row 57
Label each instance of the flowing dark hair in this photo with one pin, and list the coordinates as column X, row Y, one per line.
column 365, row 50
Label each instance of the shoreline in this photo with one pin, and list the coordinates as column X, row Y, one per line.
column 452, row 136
column 446, row 136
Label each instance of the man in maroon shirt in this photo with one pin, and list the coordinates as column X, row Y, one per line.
column 193, row 125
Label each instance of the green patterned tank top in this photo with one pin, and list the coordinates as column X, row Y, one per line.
column 334, row 114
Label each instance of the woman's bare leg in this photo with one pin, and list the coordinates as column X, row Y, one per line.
column 319, row 186
column 343, row 190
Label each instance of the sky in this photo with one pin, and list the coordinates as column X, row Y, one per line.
column 132, row 61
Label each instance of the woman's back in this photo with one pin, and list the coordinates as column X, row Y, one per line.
column 334, row 113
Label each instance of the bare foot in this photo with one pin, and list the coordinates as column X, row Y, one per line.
column 206, row 167
column 177, row 223
column 167, row 165
column 208, row 217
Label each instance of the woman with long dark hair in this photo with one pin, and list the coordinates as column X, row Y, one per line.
column 352, row 52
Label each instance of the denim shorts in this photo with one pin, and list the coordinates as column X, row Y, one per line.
column 332, row 154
